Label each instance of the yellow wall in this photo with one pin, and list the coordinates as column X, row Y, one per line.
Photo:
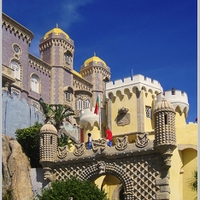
column 175, row 182
column 187, row 134
column 94, row 130
column 148, row 101
column 109, row 185
column 184, row 162
column 129, row 102
column 180, row 118
column 189, row 165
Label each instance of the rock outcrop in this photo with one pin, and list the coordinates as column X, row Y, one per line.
column 15, row 171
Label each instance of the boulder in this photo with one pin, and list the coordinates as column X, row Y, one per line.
column 16, row 178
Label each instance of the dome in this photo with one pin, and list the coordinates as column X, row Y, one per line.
column 48, row 128
column 164, row 105
column 95, row 59
column 56, row 31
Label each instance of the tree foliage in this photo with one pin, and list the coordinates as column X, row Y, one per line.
column 56, row 113
column 194, row 180
column 78, row 190
column 64, row 140
column 29, row 139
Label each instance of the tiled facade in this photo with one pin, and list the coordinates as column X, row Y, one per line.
column 54, row 69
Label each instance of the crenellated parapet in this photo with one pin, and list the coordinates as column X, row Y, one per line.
column 66, row 44
column 16, row 28
column 177, row 98
column 138, row 81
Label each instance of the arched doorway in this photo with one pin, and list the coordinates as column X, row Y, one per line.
column 111, row 185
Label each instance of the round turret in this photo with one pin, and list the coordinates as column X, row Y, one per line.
column 164, row 105
column 48, row 142
column 165, row 136
column 48, row 128
column 164, row 123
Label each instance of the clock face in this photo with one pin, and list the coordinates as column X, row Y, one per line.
column 16, row 48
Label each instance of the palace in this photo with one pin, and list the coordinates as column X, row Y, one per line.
column 154, row 150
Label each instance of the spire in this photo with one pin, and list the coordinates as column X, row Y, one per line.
column 95, row 53
column 56, row 25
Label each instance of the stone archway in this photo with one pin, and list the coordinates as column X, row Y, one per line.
column 117, row 192
column 101, row 168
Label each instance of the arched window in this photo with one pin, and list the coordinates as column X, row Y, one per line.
column 87, row 103
column 67, row 95
column 35, row 81
column 68, row 57
column 16, row 67
column 79, row 104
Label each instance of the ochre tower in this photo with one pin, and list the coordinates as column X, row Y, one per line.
column 57, row 49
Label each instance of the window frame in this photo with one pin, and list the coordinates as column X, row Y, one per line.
column 17, row 73
column 35, row 83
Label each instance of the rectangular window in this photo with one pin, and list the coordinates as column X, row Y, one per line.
column 67, row 96
column 148, row 112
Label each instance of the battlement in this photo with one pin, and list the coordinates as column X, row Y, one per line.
column 176, row 98
column 138, row 81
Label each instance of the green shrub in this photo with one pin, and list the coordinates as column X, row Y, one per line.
column 29, row 139
column 78, row 190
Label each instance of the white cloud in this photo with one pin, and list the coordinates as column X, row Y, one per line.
column 70, row 11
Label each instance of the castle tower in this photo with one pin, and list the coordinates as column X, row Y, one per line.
column 48, row 143
column 96, row 71
column 57, row 49
column 165, row 134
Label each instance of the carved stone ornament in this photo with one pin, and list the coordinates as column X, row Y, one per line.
column 102, row 167
column 122, row 143
column 79, row 149
column 123, row 110
column 142, row 140
column 123, row 119
column 99, row 144
column 48, row 176
column 62, row 152
column 167, row 152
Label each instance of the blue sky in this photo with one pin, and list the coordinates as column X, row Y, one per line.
column 157, row 39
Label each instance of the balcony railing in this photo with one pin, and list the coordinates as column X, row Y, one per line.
column 8, row 73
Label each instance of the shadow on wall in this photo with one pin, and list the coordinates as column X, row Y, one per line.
column 37, row 180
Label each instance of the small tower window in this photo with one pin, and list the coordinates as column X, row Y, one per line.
column 51, row 140
column 148, row 112
column 68, row 57
column 166, row 121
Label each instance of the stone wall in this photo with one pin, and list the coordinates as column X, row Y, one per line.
column 17, row 114
column 37, row 181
